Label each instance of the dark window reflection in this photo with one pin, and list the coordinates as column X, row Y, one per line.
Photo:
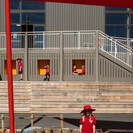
column 15, row 28
column 131, row 31
column 116, row 18
column 132, row 19
column 15, row 4
column 39, row 28
column 117, row 31
column 33, row 18
column 15, row 18
column 115, row 8
column 33, row 5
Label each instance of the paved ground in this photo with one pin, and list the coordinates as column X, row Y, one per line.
column 113, row 121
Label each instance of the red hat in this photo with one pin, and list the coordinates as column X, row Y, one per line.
column 19, row 58
column 87, row 107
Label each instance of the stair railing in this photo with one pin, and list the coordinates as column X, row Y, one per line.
column 115, row 48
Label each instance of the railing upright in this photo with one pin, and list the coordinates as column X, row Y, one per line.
column 61, row 56
column 43, row 40
column 26, row 58
column 97, row 54
column 78, row 39
column 115, row 49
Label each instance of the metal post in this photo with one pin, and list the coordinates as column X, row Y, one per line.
column 9, row 66
column 32, row 120
column 2, row 123
column 78, row 39
column 61, row 118
column 26, row 58
column 111, row 45
column 97, row 56
column 128, row 54
column 61, row 56
column 115, row 49
column 43, row 40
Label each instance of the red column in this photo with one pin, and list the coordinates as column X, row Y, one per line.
column 9, row 66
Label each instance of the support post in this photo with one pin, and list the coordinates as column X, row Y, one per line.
column 96, row 58
column 61, row 56
column 9, row 66
column 61, row 118
column 2, row 123
column 26, row 58
column 78, row 39
column 32, row 120
column 115, row 49
column 128, row 54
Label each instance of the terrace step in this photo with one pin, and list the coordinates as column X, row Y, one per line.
column 67, row 97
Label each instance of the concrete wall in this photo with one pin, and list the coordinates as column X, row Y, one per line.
column 61, row 16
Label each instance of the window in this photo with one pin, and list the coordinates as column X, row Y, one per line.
column 131, row 32
column 40, row 66
column 132, row 19
column 118, row 31
column 33, row 5
column 78, row 66
column 13, row 67
column 14, row 4
column 116, row 18
column 15, row 28
column 116, row 8
column 15, row 18
column 39, row 28
column 33, row 18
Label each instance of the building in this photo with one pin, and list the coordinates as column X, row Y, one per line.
column 42, row 16
column 78, row 47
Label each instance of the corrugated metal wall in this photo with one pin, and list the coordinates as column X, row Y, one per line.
column 61, row 16
column 2, row 15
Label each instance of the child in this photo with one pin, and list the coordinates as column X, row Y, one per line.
column 83, row 70
column 47, row 75
column 87, row 121
column 105, row 130
column 75, row 72
column 20, row 68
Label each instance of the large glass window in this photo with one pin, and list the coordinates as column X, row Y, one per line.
column 116, row 18
column 15, row 18
column 117, row 21
column 131, row 32
column 15, row 28
column 118, row 31
column 39, row 28
column 27, row 12
column 132, row 19
column 33, row 5
column 14, row 4
column 116, row 8
column 33, row 18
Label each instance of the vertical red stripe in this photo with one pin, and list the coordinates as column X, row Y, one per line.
column 9, row 66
